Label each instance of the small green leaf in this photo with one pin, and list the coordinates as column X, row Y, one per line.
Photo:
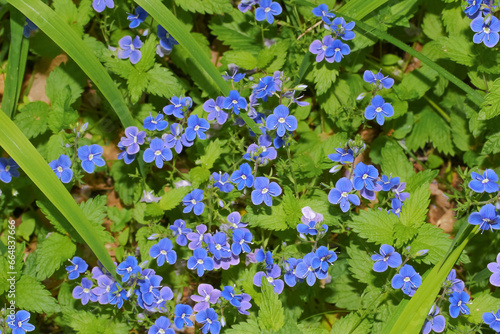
column 271, row 313
column 375, row 226
column 173, row 197
column 32, row 119
column 52, row 253
column 32, row 296
column 414, row 211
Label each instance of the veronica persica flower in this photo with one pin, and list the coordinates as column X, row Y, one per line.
column 19, row 324
column 218, row 246
column 396, row 206
column 208, row 295
column 230, row 295
column 180, row 230
column 378, row 79
column 137, row 18
column 492, row 319
column 323, row 12
column 434, row 321
column 364, row 176
column 281, row 121
column 342, row 156
column 150, row 289
column 182, row 314
column 487, row 182
column 343, row 29
column 78, row 266
column 458, row 304
column 158, row 152
column 398, row 192
column 100, row 5
column 453, row 284
column 336, row 51
column 486, row 218
column 155, row 123
column 246, row 5
column 387, row 258
column 8, row 169
column 235, row 101
column 222, row 182
column 387, row 183
column 234, row 219
column 62, row 168
column 267, row 10
column 133, row 138
column 326, row 257
column 28, row 28
column 407, row 279
column 163, row 251
column 128, row 268
column 241, row 239
column 243, row 176
column 379, row 109
column 494, row 267
column 340, row 194
column 473, row 8
column 319, row 48
column 290, row 265
column 200, row 261
column 214, row 110
column 166, row 40
column 486, row 30
column 209, row 319
column 264, row 190
column 234, row 76
column 196, row 238
column 307, row 268
column 90, row 157
column 272, row 277
column 193, row 202
column 84, row 292
column 176, row 139
column 196, row 128
column 161, row 326
column 264, row 89
column 178, row 104
column 130, row 49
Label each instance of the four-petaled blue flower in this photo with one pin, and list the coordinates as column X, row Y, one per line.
column 196, row 238
column 91, row 157
column 177, row 139
column 235, row 76
column 340, row 194
column 196, row 127
column 396, row 206
column 342, row 156
column 155, row 123
column 166, row 40
column 458, row 304
column 130, row 49
column 218, row 246
column 486, row 30
column 343, row 29
column 62, row 168
column 241, row 239
column 138, row 18
column 230, row 295
column 177, row 106
column 267, row 10
column 163, row 251
column 100, row 5
column 319, row 48
column 326, row 258
column 271, row 275
column 180, row 230
column 310, row 228
column 290, row 265
column 78, row 266
column 161, row 326
column 84, row 292
column 222, row 182
column 492, row 319
column 193, row 202
column 133, row 138
column 434, row 321
column 208, row 295
column 264, row 190
column 387, row 258
column 307, row 268
column 214, row 110
column 407, row 280
column 280, row 120
column 486, row 182
column 234, row 219
column 209, row 319
column 486, row 218
column 158, row 152
column 379, row 109
column 149, row 289
column 336, row 51
column 473, row 8
column 235, row 101
column 8, row 169
column 494, row 267
column 453, row 283
column 323, row 12
column 128, row 268
column 264, row 88
column 387, row 183
column 19, row 324
column 182, row 314
column 200, row 261
column 243, row 176
column 378, row 79
column 246, row 5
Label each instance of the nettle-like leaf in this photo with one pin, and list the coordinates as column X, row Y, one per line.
column 52, row 253
column 32, row 119
column 271, row 313
column 32, row 296
column 491, row 107
column 206, row 6
column 375, row 226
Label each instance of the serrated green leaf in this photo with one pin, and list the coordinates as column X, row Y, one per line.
column 491, row 108
column 414, row 211
column 162, row 82
column 32, row 296
column 84, row 322
column 360, row 264
column 351, row 324
column 251, row 326
column 212, row 152
column 95, row 211
column 492, row 144
column 206, row 6
column 62, row 114
column 432, row 26
column 482, row 304
column 198, row 175
column 241, row 59
column 125, row 185
column 64, row 76
column 271, row 313
column 32, row 119
column 375, row 226
column 148, row 51
column 52, row 253
column 395, row 162
column 325, row 75
column 270, row 218
column 173, row 197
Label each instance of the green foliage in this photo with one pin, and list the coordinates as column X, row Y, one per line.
column 375, row 226
column 490, row 107
column 271, row 315
column 32, row 120
column 52, row 253
column 32, row 296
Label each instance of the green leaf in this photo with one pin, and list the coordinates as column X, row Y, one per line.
column 198, row 175
column 491, row 108
column 62, row 114
column 270, row 218
column 273, row 58
column 242, row 59
column 95, row 211
column 482, row 304
column 414, row 211
column 271, row 313
column 352, row 324
column 32, row 120
column 395, row 161
column 360, row 264
column 173, row 198
column 125, row 185
column 434, row 239
column 162, row 82
column 66, row 76
column 375, row 226
column 206, row 6
column 248, row 327
column 492, row 144
column 432, row 26
column 52, row 253
column 325, row 75
column 32, row 296
column 212, row 152
column 84, row 322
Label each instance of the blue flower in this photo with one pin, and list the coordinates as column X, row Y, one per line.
column 319, row 48
column 161, row 325
column 197, row 238
column 378, row 79
column 487, row 182
column 486, row 218
column 130, row 49
column 336, row 51
column 379, row 109
column 340, row 194
column 281, row 121
column 342, row 156
column 265, row 88
column 104, row 284
column 267, row 10
column 8, row 169
column 177, row 139
column 29, row 28
column 19, row 324
column 241, row 239
column 84, row 292
column 396, row 206
column 182, row 314
column 387, row 258
column 326, row 257
column 158, row 152
column 180, row 229
column 264, row 190
column 243, row 176
column 218, row 246
column 127, row 158
column 128, row 268
column 100, row 5
column 343, row 29
column 62, row 168
column 194, row 200
column 166, row 40
column 267, row 257
column 163, row 251
column 230, row 295
column 235, row 101
column 473, row 8
column 434, row 321
column 245, row 5
column 323, row 12
column 78, row 266
column 492, row 320
column 200, row 261
column 117, row 295
column 310, row 228
column 155, row 123
column 235, row 76
column 407, row 280
column 222, row 182
column 177, row 106
column 209, row 319
column 196, row 127
column 458, row 304
column 208, row 295
column 150, row 289
column 453, row 284
column 494, row 267
column 90, row 157
column 307, row 268
column 214, row 109
column 234, row 219
column 138, row 18
column 271, row 275
column 398, row 192
column 261, row 153
column 486, row 30
column 133, row 138
column 290, row 265
column 388, row 183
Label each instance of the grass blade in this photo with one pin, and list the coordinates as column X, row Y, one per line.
column 168, row 21
column 25, row 154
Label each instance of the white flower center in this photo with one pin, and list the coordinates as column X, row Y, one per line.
column 324, row 47
column 209, row 321
column 161, row 331
column 265, row 190
column 217, row 108
column 270, row 279
column 154, row 122
column 379, row 109
column 86, row 290
column 459, row 303
column 281, row 120
column 157, row 153
column 267, row 10
column 196, row 128
column 207, row 298
column 76, row 268
column 218, row 247
column 365, row 176
column 178, row 105
column 337, row 49
column 244, row 177
column 344, row 194
column 235, row 102
column 163, row 252
column 485, row 181
column 200, row 261
column 91, row 156
column 193, row 201
column 59, row 169
column 129, row 269
column 7, row 168
column 406, row 279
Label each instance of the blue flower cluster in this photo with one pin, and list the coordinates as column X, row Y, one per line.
column 378, row 108
column 267, row 9
column 487, row 218
column 485, row 25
